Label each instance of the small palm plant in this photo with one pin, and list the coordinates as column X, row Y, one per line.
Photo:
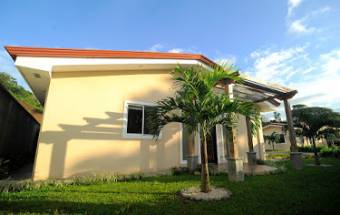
column 200, row 108
column 272, row 139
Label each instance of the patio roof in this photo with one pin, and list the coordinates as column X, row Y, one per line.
column 258, row 91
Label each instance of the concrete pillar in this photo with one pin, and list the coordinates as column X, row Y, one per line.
column 235, row 169
column 295, row 156
column 251, row 155
column 235, row 165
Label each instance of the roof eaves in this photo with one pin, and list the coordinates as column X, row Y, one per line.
column 15, row 51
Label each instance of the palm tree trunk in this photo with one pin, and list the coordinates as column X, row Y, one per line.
column 205, row 182
column 273, row 146
column 316, row 156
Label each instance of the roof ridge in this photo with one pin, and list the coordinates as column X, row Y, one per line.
column 15, row 51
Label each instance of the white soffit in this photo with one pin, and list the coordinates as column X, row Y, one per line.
column 48, row 63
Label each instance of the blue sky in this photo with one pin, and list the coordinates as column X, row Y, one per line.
column 291, row 42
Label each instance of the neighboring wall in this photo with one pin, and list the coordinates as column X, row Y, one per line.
column 18, row 129
column 83, row 122
column 268, row 130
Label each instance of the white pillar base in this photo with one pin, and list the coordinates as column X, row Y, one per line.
column 235, row 169
column 296, row 158
column 192, row 163
column 251, row 158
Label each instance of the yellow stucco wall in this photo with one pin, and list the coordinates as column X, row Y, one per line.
column 82, row 126
column 270, row 129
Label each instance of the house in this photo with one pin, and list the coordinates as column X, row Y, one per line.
column 278, row 127
column 95, row 103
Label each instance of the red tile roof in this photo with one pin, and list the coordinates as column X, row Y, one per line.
column 15, row 51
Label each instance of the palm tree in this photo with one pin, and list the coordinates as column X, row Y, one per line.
column 272, row 139
column 311, row 120
column 200, row 108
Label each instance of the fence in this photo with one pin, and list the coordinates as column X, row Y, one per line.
column 18, row 129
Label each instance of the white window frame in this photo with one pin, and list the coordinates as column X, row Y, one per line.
column 125, row 134
column 182, row 161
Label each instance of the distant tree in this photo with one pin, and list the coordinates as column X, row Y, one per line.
column 272, row 139
column 311, row 120
column 277, row 116
column 18, row 91
column 330, row 135
column 299, row 134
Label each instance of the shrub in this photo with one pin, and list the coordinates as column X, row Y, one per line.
column 278, row 156
column 179, row 170
column 260, row 162
column 308, row 148
column 17, row 186
column 333, row 151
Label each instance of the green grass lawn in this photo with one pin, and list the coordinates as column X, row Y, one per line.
column 314, row 190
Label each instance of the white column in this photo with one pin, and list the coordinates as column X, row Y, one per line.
column 220, row 144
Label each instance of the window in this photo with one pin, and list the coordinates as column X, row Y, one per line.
column 137, row 119
column 282, row 138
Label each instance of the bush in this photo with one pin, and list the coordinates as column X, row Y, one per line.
column 260, row 162
column 179, row 170
column 17, row 186
column 333, row 151
column 278, row 156
column 308, row 148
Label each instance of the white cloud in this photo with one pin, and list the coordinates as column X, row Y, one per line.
column 316, row 79
column 177, row 50
column 156, row 47
column 293, row 4
column 276, row 66
column 331, row 61
column 298, row 26
column 159, row 47
column 303, row 25
column 228, row 60
column 320, row 11
column 323, row 88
